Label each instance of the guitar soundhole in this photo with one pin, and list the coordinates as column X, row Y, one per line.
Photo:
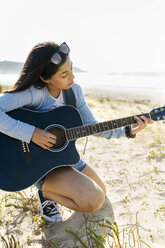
column 60, row 137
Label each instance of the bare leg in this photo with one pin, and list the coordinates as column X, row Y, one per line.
column 88, row 171
column 73, row 189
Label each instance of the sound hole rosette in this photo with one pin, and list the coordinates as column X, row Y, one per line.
column 61, row 141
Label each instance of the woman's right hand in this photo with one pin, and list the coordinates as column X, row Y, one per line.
column 43, row 138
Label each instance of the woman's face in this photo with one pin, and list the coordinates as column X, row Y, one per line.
column 63, row 78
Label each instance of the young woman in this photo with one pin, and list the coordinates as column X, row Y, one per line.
column 46, row 73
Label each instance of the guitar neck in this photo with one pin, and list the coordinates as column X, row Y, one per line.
column 86, row 130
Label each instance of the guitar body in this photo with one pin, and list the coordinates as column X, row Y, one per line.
column 19, row 168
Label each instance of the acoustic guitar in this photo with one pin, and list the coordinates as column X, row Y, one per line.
column 23, row 164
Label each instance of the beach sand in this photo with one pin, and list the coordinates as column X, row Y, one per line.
column 132, row 170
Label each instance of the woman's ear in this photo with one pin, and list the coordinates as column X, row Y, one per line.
column 45, row 81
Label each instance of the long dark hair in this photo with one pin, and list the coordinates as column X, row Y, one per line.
column 38, row 64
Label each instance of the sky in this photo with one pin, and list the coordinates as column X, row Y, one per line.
column 103, row 35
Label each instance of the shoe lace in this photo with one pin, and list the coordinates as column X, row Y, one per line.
column 50, row 207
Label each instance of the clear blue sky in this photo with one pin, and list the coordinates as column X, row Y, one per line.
column 105, row 35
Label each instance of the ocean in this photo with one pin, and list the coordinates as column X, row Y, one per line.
column 103, row 80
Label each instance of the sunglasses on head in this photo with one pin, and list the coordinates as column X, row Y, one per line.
column 56, row 58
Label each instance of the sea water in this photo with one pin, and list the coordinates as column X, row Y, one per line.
column 140, row 83
column 105, row 80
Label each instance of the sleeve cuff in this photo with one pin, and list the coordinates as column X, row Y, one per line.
column 127, row 133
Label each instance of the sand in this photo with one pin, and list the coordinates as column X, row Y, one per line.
column 132, row 170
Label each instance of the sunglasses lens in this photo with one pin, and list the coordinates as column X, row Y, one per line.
column 56, row 59
column 64, row 48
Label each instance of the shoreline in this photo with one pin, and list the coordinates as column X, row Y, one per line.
column 130, row 95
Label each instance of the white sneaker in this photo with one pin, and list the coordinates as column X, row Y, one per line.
column 49, row 209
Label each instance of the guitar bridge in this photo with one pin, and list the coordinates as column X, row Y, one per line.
column 26, row 151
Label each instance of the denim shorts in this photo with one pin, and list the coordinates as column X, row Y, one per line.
column 79, row 166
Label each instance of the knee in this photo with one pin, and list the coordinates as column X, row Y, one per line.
column 94, row 202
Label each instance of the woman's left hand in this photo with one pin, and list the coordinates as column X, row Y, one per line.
column 142, row 122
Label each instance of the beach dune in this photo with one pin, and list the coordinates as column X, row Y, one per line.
column 132, row 170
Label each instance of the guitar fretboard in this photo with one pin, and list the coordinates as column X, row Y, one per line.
column 86, row 130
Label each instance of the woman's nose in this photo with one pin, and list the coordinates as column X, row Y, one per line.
column 71, row 76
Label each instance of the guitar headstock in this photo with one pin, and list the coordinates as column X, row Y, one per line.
column 158, row 114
